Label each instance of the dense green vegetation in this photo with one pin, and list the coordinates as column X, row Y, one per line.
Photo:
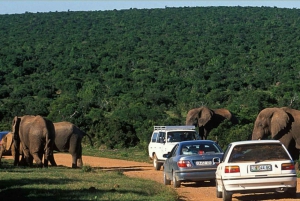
column 116, row 74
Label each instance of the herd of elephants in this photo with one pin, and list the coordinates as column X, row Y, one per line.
column 35, row 137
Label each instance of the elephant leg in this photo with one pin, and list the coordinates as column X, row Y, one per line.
column 26, row 154
column 201, row 132
column 74, row 160
column 79, row 156
column 51, row 160
column 79, row 162
column 37, row 158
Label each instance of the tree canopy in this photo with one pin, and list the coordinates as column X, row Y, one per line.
column 116, row 74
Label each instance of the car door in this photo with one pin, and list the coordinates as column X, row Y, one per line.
column 169, row 163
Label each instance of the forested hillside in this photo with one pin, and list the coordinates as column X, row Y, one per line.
column 116, row 74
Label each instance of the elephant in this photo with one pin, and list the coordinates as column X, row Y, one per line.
column 68, row 138
column 206, row 119
column 33, row 136
column 6, row 145
column 281, row 124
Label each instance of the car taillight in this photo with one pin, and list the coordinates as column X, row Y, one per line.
column 232, row 169
column 184, row 163
column 287, row 166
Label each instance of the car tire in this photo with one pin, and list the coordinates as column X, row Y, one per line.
column 219, row 193
column 226, row 196
column 156, row 164
column 176, row 183
column 291, row 192
column 166, row 180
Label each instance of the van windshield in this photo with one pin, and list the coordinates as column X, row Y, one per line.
column 179, row 136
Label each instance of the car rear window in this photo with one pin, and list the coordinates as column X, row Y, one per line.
column 199, row 149
column 258, row 152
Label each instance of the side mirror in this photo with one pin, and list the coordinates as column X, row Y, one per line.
column 165, row 155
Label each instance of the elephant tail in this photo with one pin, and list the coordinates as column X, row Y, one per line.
column 90, row 139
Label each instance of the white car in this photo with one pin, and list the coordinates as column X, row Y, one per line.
column 256, row 166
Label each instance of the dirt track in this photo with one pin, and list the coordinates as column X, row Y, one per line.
column 187, row 192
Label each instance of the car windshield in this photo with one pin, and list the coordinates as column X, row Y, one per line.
column 180, row 136
column 258, row 152
column 200, row 149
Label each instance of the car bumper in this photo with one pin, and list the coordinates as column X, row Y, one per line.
column 260, row 184
column 195, row 175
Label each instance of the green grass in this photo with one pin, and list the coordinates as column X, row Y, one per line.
column 61, row 183
column 130, row 154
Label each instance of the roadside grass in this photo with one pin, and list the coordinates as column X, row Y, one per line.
column 131, row 154
column 62, row 183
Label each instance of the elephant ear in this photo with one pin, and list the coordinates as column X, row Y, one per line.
column 223, row 112
column 192, row 117
column 227, row 115
column 9, row 138
column 279, row 121
column 204, row 116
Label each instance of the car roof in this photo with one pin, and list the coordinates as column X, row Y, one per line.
column 197, row 142
column 255, row 142
column 2, row 134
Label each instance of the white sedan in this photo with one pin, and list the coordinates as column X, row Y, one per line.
column 256, row 166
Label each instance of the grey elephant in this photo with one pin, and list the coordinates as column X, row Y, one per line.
column 206, row 119
column 68, row 138
column 33, row 137
column 282, row 124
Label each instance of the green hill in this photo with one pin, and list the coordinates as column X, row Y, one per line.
column 116, row 74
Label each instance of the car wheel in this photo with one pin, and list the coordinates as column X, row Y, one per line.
column 176, row 183
column 219, row 193
column 213, row 182
column 166, row 180
column 156, row 164
column 226, row 196
column 291, row 192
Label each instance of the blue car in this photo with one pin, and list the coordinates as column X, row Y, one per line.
column 2, row 134
column 192, row 161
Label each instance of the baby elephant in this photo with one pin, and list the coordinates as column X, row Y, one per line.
column 6, row 145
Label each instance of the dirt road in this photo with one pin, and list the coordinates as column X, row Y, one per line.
column 187, row 192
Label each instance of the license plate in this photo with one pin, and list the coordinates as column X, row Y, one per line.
column 260, row 168
column 203, row 162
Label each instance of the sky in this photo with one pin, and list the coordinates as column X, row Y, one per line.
column 34, row 6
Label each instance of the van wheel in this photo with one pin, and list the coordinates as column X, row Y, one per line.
column 156, row 164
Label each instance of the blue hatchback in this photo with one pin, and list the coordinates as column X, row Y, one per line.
column 192, row 161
